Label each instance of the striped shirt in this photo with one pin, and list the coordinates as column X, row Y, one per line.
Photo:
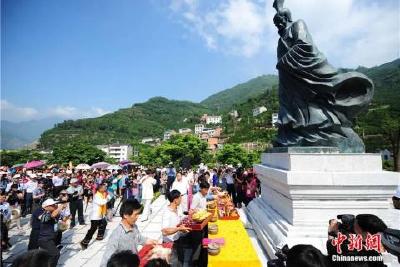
column 121, row 239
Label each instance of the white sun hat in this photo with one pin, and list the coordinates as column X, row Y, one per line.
column 48, row 202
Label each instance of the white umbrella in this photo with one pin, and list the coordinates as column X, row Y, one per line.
column 100, row 165
column 83, row 167
column 114, row 167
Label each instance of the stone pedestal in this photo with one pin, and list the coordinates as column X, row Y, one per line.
column 302, row 191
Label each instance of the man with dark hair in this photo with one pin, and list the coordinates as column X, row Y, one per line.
column 173, row 230
column 126, row 236
column 171, row 174
column 199, row 199
column 75, row 195
column 38, row 195
column 368, row 223
column 306, row 256
column 157, row 263
column 123, row 258
column 147, row 182
column 171, row 226
column 33, row 258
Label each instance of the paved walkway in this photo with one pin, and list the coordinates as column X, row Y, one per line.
column 72, row 255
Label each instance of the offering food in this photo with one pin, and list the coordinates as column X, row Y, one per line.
column 160, row 252
column 211, row 205
column 200, row 216
column 214, row 218
column 234, row 213
column 187, row 221
column 226, row 209
column 213, row 229
column 213, row 249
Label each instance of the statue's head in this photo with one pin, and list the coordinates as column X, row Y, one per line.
column 282, row 18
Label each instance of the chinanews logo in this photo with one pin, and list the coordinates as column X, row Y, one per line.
column 355, row 242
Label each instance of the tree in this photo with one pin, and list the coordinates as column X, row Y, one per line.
column 77, row 152
column 391, row 134
column 12, row 157
column 380, row 128
column 182, row 150
column 234, row 154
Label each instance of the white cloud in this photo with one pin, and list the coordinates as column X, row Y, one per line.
column 68, row 112
column 235, row 26
column 14, row 113
column 352, row 32
column 348, row 32
column 64, row 112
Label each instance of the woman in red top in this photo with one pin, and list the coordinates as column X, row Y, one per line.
column 251, row 186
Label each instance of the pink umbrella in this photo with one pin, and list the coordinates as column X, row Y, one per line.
column 34, row 164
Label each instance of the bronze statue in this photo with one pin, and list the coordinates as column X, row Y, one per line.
column 318, row 103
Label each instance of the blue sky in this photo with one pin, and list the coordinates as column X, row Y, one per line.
column 73, row 58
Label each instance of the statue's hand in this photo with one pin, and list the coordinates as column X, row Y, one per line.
column 278, row 5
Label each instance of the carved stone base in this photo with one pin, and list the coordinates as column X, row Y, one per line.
column 302, row 191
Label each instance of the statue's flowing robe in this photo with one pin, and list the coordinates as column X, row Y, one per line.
column 317, row 102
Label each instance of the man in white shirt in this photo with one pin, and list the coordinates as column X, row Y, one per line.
column 171, row 226
column 147, row 182
column 75, row 194
column 182, row 186
column 30, row 186
column 58, row 182
column 199, row 201
column 230, row 183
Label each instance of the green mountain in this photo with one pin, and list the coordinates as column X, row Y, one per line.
column 149, row 119
column 152, row 118
column 386, row 78
column 224, row 100
column 247, row 128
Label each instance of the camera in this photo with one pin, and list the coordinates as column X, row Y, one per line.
column 347, row 223
column 344, row 226
column 281, row 254
column 391, row 242
column 129, row 183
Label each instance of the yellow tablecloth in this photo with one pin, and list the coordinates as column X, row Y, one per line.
column 238, row 249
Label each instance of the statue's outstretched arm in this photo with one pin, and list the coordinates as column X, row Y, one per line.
column 278, row 5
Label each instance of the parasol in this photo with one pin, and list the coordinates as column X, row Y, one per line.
column 34, row 164
column 82, row 167
column 100, row 165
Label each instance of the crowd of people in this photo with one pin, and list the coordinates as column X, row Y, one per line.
column 57, row 198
